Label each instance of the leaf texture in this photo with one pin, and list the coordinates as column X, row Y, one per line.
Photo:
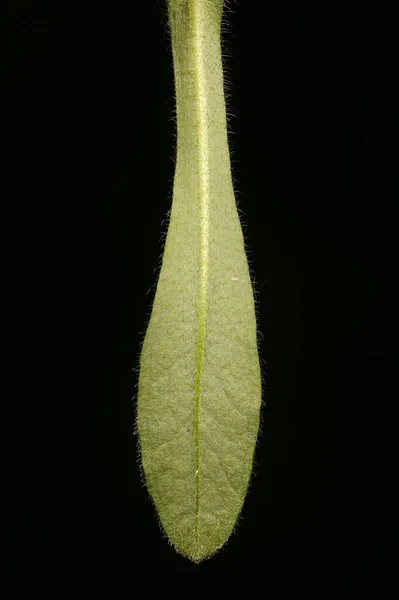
column 199, row 391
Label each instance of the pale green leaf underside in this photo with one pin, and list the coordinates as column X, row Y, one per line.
column 200, row 385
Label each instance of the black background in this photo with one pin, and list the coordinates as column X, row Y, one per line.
column 91, row 147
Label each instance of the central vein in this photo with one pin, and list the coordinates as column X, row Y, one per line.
column 203, row 162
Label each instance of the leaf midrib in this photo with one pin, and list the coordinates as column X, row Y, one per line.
column 203, row 163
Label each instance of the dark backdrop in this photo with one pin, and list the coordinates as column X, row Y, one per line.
column 91, row 148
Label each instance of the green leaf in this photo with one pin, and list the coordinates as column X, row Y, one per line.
column 200, row 383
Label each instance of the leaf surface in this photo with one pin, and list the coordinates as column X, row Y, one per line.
column 200, row 384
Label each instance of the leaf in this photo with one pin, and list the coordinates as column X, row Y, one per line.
column 200, row 384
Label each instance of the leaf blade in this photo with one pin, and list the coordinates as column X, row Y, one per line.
column 204, row 311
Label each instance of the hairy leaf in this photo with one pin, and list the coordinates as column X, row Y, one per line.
column 200, row 384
